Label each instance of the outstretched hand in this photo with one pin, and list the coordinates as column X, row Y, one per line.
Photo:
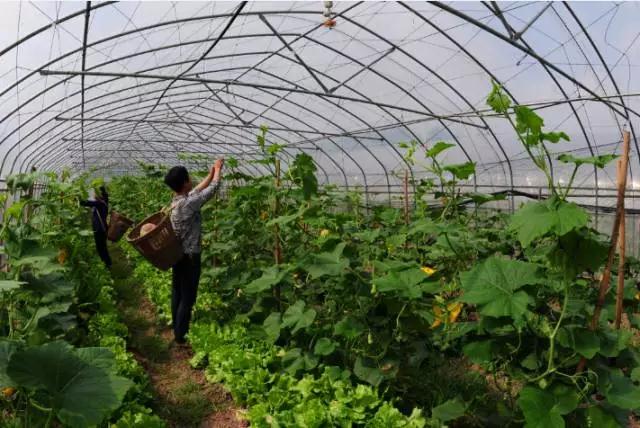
column 218, row 164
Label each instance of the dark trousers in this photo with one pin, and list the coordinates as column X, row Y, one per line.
column 186, row 276
column 100, row 237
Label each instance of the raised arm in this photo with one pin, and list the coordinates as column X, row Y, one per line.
column 207, row 188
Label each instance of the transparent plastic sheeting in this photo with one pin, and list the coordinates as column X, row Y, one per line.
column 103, row 85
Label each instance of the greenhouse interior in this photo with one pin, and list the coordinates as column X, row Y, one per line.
column 319, row 214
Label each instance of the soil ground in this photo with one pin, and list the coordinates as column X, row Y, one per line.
column 182, row 395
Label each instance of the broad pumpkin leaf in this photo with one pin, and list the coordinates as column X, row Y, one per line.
column 449, row 410
column 438, row 148
column 8, row 285
column 297, row 317
column 371, row 375
column 283, row 220
column 623, row 393
column 324, row 346
column 82, row 386
column 599, row 161
column 478, row 352
column 329, row 263
column 601, row 419
column 272, row 326
column 270, row 277
column 498, row 100
column 7, row 349
column 348, row 327
column 584, row 341
column 539, row 409
column 612, row 342
column 461, row 171
column 494, row 286
column 537, row 219
column 406, row 283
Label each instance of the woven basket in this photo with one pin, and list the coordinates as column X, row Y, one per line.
column 161, row 246
column 118, row 225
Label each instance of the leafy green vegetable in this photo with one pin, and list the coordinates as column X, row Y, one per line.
column 495, row 285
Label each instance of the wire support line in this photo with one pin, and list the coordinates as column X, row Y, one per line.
column 226, row 82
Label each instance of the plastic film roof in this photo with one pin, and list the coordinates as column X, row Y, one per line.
column 104, row 85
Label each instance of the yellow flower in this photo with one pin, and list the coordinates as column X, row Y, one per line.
column 438, row 313
column 8, row 391
column 324, row 233
column 454, row 310
column 264, row 215
column 429, row 271
column 638, row 296
column 62, row 256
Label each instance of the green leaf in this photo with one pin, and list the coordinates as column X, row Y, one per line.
column 270, row 277
column 348, row 327
column 539, row 409
column 406, row 283
column 371, row 375
column 303, row 173
column 283, row 219
column 449, row 410
column 438, row 148
column 330, row 263
column 529, row 124
column 498, row 100
column 587, row 342
column 537, row 219
column 601, row 419
column 599, row 161
column 324, row 346
column 272, row 326
column 478, row 352
column 7, row 285
column 623, row 393
column 461, row 171
column 494, row 286
column 297, row 317
column 555, row 137
column 82, row 386
column 635, row 374
column 7, row 349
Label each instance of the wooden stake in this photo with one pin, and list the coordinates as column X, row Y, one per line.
column 606, row 277
column 406, row 196
column 621, row 261
column 277, row 251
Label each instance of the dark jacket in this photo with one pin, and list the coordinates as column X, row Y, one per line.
column 100, row 210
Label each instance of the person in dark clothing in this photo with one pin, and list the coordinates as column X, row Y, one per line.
column 186, row 221
column 100, row 209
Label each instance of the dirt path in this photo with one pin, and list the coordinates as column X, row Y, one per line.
column 182, row 395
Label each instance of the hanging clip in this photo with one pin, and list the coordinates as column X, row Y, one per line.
column 328, row 13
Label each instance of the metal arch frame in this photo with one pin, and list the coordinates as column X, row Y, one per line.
column 452, row 88
column 150, row 100
column 562, row 91
column 608, row 70
column 110, row 61
column 599, row 99
column 364, row 175
column 224, row 143
column 226, row 28
column 100, row 96
column 530, row 53
column 401, row 89
column 483, row 67
column 140, row 30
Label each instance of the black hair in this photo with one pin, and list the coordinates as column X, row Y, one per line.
column 176, row 178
